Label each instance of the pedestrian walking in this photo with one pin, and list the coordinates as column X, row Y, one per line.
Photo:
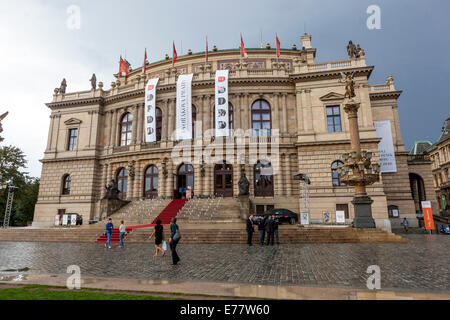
column 109, row 230
column 250, row 230
column 158, row 233
column 269, row 230
column 123, row 232
column 262, row 230
column 175, row 236
column 276, row 222
column 405, row 224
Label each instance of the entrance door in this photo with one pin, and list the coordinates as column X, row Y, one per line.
column 122, row 182
column 223, row 180
column 185, row 178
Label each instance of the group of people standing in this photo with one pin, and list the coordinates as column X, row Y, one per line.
column 265, row 225
column 158, row 232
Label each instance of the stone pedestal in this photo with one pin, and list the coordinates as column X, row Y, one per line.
column 108, row 207
column 363, row 212
column 244, row 208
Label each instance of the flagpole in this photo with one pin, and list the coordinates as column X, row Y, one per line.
column 276, row 40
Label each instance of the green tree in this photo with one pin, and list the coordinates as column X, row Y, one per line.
column 12, row 164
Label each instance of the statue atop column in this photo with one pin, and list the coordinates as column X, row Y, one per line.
column 62, row 88
column 112, row 191
column 349, row 85
column 93, row 81
column 3, row 116
column 244, row 185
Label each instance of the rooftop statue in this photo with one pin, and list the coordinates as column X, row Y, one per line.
column 62, row 88
column 93, row 81
column 3, row 116
column 351, row 50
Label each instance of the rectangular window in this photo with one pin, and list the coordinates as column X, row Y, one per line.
column 73, row 135
column 334, row 119
column 343, row 207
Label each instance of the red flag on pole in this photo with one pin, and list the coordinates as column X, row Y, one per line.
column 278, row 47
column 206, row 49
column 144, row 65
column 175, row 56
column 123, row 72
column 243, row 53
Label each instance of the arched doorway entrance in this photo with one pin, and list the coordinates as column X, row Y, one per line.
column 417, row 190
column 185, row 178
column 223, row 180
column 151, row 182
column 122, row 182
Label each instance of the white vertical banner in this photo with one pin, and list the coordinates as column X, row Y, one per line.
column 221, row 111
column 386, row 146
column 150, row 110
column 184, row 107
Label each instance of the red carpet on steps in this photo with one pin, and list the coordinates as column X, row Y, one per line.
column 165, row 216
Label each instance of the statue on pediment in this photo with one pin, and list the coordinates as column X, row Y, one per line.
column 93, row 81
column 62, row 88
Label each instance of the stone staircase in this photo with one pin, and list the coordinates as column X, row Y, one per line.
column 78, row 234
column 211, row 210
column 138, row 212
column 287, row 234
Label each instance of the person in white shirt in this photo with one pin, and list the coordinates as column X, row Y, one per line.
column 123, row 232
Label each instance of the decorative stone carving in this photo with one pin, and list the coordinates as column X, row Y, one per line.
column 304, row 55
column 349, row 85
column 131, row 169
column 244, row 185
column 93, row 81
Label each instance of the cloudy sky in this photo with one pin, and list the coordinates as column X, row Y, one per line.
column 39, row 49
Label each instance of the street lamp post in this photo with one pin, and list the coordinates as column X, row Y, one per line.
column 358, row 171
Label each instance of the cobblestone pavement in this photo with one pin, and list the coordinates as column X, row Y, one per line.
column 421, row 265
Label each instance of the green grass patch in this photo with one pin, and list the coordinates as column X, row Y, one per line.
column 38, row 292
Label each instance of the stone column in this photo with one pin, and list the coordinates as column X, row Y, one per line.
column 276, row 112
column 115, row 128
column 197, row 180
column 309, row 116
column 288, row 175
column 140, row 123
column 165, row 129
column 50, row 133
column 278, row 179
column 58, row 122
column 135, row 125
column 299, row 110
column 284, row 106
column 248, row 115
column 171, row 115
column 170, row 179
column 236, row 111
column 138, row 181
column 207, row 107
column 105, row 169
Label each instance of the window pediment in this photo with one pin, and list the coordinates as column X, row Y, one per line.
column 332, row 96
column 72, row 121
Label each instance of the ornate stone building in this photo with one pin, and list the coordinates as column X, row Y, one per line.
column 98, row 135
column 440, row 155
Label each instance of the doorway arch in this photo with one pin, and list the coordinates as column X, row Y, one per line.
column 185, row 178
column 223, row 180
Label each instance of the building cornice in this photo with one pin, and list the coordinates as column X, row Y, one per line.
column 359, row 71
column 385, row 95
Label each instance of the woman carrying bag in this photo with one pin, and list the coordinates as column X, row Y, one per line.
column 158, row 233
column 175, row 236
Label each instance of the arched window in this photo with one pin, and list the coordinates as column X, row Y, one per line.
column 126, row 128
column 194, row 119
column 263, row 179
column 122, row 181
column 334, row 174
column 185, row 179
column 261, row 118
column 67, row 180
column 230, row 117
column 158, row 114
column 151, row 182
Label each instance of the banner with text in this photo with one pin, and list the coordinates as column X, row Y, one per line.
column 386, row 146
column 427, row 215
column 184, row 107
column 221, row 111
column 150, row 110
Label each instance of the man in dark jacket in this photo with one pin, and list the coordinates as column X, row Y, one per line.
column 269, row 230
column 276, row 222
column 262, row 230
column 250, row 230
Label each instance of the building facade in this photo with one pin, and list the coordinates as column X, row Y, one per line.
column 98, row 135
column 440, row 156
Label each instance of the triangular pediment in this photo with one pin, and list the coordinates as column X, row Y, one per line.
column 332, row 96
column 72, row 121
